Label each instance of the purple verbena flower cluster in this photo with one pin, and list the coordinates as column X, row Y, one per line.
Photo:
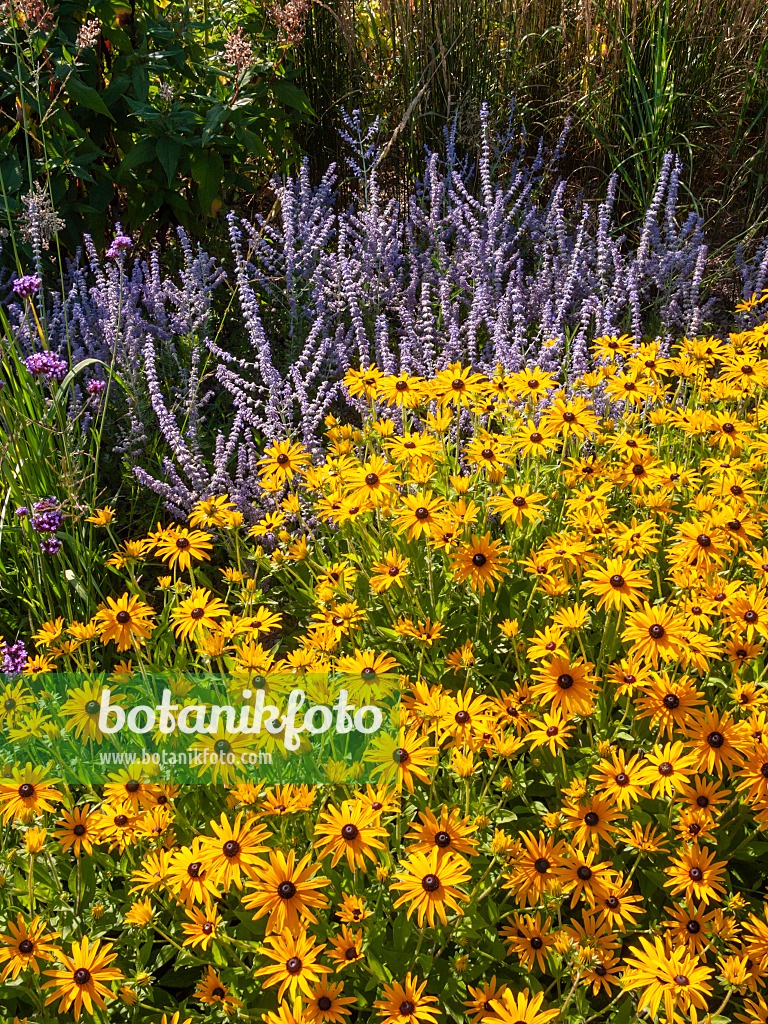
column 45, row 518
column 27, row 285
column 13, row 658
column 47, row 365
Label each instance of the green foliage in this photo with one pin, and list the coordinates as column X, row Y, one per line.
column 156, row 124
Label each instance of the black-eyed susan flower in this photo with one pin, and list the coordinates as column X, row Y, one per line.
column 566, row 684
column 179, row 547
column 591, row 819
column 352, row 830
column 666, row 974
column 718, row 742
column 553, row 730
column 429, row 883
column 697, row 874
column 212, row 991
column 478, row 1005
column 328, row 1004
column 27, row 792
column 519, row 1008
column 391, row 571
column 655, row 633
column 76, row 831
column 197, row 612
column 285, row 890
column 294, row 965
column 80, row 982
column 283, row 460
column 519, row 504
column 406, row 1002
column 123, row 620
column 480, row 562
column 26, row 946
column 448, row 833
column 530, row 939
column 400, row 759
column 233, row 851
column 201, row 927
column 535, row 870
column 618, row 584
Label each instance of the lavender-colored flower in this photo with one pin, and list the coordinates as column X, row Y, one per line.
column 27, row 285
column 120, row 244
column 13, row 658
column 50, row 545
column 46, row 364
column 47, row 517
column 95, row 386
column 22, row 511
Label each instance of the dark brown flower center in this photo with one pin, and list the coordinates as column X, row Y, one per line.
column 26, row 790
column 286, row 890
column 695, row 874
column 715, row 739
column 231, row 848
column 565, row 682
column 591, row 819
column 584, row 873
column 122, row 617
column 293, row 965
column 81, row 976
column 671, row 701
column 542, row 865
column 324, row 1003
column 26, row 946
column 479, row 559
column 371, row 479
column 656, row 631
column 430, row 883
column 617, row 581
column 442, row 839
column 350, row 832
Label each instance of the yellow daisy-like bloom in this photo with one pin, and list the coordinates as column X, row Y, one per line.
column 77, row 831
column 353, row 830
column 82, row 709
column 124, row 619
column 429, row 883
column 294, row 963
column 28, row 792
column 401, row 390
column 450, row 833
column 328, row 1004
column 535, row 869
column 618, row 584
column 375, row 481
column 719, row 742
column 212, row 511
column 283, row 461
column 200, row 927
column 285, row 890
column 81, row 981
column 212, row 991
column 101, row 516
column 667, row 769
column 25, row 946
column 198, row 611
column 401, row 759
column 391, row 572
column 553, row 731
column 655, row 633
column 567, row 685
column 406, row 1003
column 482, row 562
column 518, row 1008
column 233, row 852
column 518, row 505
column 697, row 874
column 178, row 546
column 457, row 386
column 346, row 949
column 421, row 514
column 672, row 975
column 591, row 820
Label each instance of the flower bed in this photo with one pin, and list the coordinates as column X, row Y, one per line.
column 568, row 820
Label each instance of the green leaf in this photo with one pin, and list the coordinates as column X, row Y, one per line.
column 142, row 153
column 85, row 96
column 213, row 120
column 208, row 172
column 168, row 152
column 291, row 96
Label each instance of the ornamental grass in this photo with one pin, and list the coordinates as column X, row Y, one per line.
column 571, row 590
